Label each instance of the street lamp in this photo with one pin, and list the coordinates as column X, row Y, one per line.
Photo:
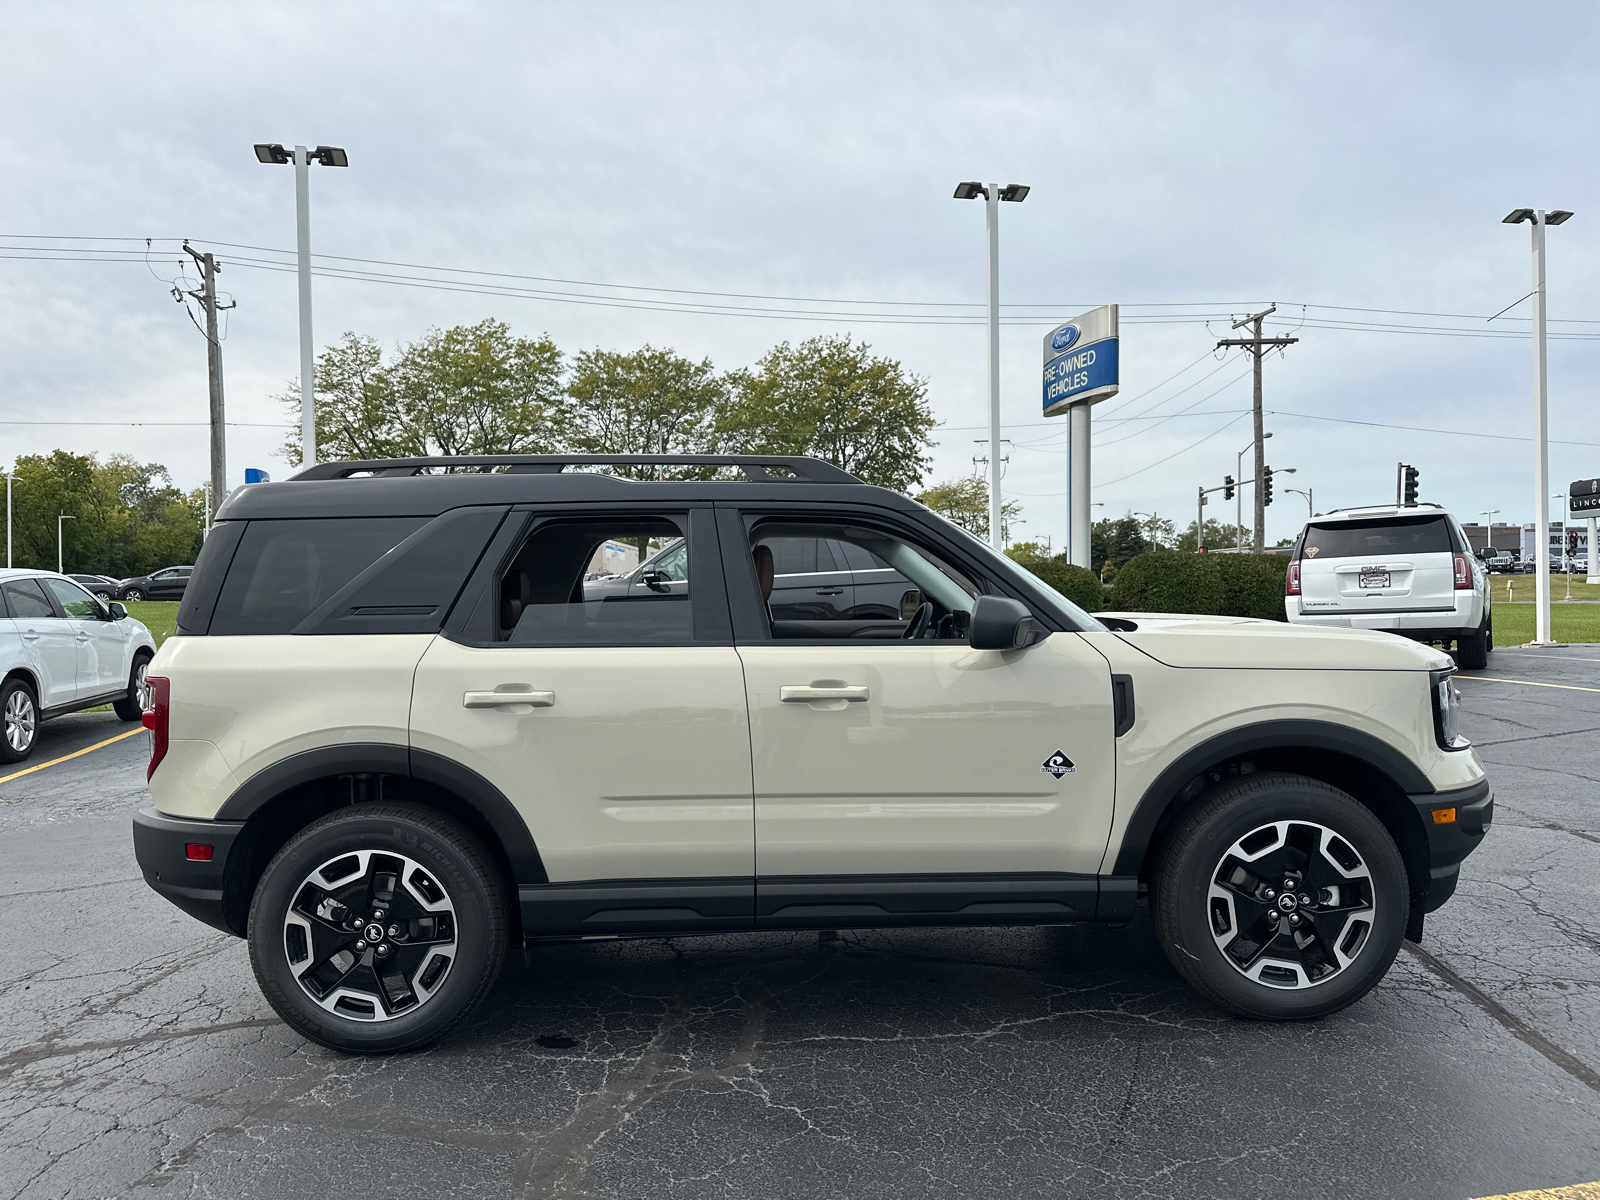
column 992, row 195
column 10, row 475
column 1311, row 509
column 1238, row 491
column 328, row 156
column 59, row 556
column 1538, row 218
column 1488, row 526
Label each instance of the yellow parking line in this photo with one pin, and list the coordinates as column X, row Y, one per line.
column 1566, row 687
column 65, row 757
column 1579, row 1191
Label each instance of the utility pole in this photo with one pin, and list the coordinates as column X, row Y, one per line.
column 207, row 295
column 1258, row 347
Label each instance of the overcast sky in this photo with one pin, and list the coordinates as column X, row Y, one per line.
column 1179, row 155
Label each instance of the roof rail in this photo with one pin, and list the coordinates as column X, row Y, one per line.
column 1394, row 508
column 757, row 468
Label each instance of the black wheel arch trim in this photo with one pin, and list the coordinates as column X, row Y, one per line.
column 378, row 758
column 1253, row 739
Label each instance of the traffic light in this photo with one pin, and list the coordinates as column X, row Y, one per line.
column 1227, row 487
column 1572, row 543
column 1266, row 486
column 1409, row 475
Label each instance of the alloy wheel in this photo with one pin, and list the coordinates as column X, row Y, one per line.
column 370, row 936
column 141, row 689
column 21, row 720
column 1291, row 904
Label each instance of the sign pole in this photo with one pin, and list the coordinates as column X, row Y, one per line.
column 1078, row 420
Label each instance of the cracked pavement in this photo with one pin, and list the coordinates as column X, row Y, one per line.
column 137, row 1056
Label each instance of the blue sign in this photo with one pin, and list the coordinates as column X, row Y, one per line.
column 256, row 475
column 1063, row 338
column 1081, row 361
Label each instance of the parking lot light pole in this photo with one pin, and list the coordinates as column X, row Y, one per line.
column 328, row 156
column 1539, row 218
column 1311, row 509
column 10, row 475
column 59, row 555
column 993, row 194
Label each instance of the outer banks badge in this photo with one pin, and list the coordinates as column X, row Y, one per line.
column 1058, row 764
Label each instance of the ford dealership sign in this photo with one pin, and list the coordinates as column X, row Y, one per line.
column 1080, row 361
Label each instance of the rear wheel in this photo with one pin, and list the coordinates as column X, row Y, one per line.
column 377, row 928
column 19, row 712
column 1472, row 649
column 1281, row 898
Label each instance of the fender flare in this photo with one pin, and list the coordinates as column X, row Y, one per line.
column 1407, row 777
column 377, row 758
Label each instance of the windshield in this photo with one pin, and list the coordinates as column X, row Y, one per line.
column 1383, row 536
column 1024, row 576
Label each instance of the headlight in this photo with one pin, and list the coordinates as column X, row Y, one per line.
column 1447, row 711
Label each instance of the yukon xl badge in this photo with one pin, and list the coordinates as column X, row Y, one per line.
column 1058, row 764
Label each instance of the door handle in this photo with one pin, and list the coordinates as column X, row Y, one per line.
column 83, row 637
column 830, row 591
column 805, row 693
column 30, row 636
column 498, row 699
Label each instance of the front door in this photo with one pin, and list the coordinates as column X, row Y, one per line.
column 615, row 724
column 48, row 640
column 102, row 649
column 895, row 757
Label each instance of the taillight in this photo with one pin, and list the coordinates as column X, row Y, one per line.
column 1291, row 583
column 1463, row 572
column 159, row 691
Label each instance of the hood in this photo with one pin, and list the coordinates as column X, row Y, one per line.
column 1188, row 640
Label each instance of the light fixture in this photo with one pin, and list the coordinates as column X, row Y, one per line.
column 330, row 156
column 272, row 154
column 971, row 191
column 1517, row 215
column 1556, row 217
column 1015, row 192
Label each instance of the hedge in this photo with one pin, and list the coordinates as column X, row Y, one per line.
column 1233, row 585
column 1078, row 584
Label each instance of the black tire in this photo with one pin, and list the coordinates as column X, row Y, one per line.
column 460, row 869
column 19, row 720
column 134, row 594
column 1202, row 846
column 131, row 706
column 1488, row 629
column 1472, row 649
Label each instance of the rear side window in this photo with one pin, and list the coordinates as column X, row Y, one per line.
column 26, row 600
column 1385, row 536
column 285, row 570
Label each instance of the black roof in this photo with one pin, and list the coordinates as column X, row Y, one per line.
column 425, row 487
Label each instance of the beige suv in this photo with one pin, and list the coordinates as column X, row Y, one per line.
column 395, row 734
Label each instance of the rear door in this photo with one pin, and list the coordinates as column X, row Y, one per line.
column 1378, row 564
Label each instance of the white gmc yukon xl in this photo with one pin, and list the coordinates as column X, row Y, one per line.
column 395, row 735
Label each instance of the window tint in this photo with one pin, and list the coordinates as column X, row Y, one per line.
column 859, row 558
column 74, row 601
column 1382, row 536
column 544, row 599
column 283, row 570
column 26, row 600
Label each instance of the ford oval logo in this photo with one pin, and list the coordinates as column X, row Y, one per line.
column 1064, row 337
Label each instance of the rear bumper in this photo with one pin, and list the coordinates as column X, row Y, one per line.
column 1450, row 842
column 1464, row 616
column 160, row 843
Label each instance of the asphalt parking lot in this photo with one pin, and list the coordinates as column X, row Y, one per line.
column 137, row 1055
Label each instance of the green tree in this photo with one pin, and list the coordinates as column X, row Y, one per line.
column 1218, row 536
column 471, row 389
column 128, row 519
column 646, row 401
column 966, row 502
column 1112, row 542
column 830, row 398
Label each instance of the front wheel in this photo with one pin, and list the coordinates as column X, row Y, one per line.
column 131, row 707
column 377, row 928
column 1281, row 898
column 134, row 594
column 19, row 711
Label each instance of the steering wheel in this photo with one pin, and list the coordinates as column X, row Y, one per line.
column 919, row 623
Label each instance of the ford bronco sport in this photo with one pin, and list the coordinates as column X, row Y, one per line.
column 395, row 734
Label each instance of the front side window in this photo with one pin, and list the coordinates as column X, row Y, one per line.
column 549, row 595
column 76, row 602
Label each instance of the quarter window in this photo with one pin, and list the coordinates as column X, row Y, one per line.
column 27, row 601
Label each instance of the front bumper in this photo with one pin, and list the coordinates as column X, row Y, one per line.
column 1451, row 841
column 160, row 843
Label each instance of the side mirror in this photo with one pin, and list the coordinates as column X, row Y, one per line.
column 1000, row 623
column 118, row 611
column 909, row 603
column 654, row 581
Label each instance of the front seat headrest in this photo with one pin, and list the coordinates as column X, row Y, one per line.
column 515, row 591
column 764, row 569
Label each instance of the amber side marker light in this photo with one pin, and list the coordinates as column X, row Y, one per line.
column 1444, row 816
column 200, row 852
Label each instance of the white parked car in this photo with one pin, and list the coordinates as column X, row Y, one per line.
column 1401, row 570
column 63, row 651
